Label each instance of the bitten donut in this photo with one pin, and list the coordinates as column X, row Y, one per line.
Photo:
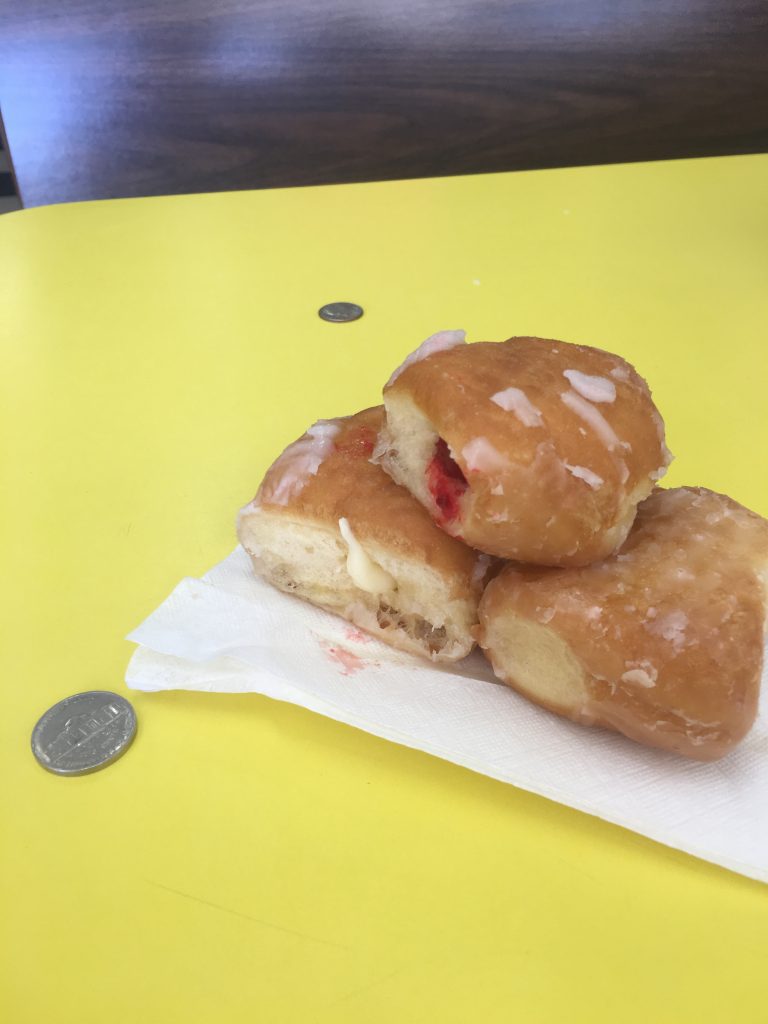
column 331, row 527
column 529, row 449
column 662, row 642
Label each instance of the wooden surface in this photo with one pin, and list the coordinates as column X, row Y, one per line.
column 116, row 99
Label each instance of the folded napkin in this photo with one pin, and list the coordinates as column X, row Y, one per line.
column 232, row 633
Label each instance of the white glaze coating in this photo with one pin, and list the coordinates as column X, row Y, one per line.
column 516, row 401
column 481, row 457
column 435, row 343
column 594, row 389
column 666, row 453
column 298, row 463
column 672, row 627
column 582, row 473
column 592, row 417
column 639, row 677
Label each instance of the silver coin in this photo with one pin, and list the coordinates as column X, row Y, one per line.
column 84, row 733
column 340, row 312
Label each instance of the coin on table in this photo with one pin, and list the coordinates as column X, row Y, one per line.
column 340, row 312
column 84, row 733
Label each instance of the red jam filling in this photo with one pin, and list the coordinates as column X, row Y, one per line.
column 446, row 482
column 358, row 442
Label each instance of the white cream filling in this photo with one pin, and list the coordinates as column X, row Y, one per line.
column 364, row 572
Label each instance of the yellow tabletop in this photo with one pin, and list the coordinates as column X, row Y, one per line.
column 247, row 860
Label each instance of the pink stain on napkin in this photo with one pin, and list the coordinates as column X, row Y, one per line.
column 347, row 662
column 356, row 636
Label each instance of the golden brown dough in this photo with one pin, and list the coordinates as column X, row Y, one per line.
column 662, row 642
column 331, row 527
column 529, row 449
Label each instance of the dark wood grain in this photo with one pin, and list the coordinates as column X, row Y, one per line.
column 134, row 98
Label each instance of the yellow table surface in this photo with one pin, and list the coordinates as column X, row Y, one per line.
column 248, row 860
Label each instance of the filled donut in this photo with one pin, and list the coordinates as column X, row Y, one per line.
column 528, row 449
column 331, row 527
column 663, row 641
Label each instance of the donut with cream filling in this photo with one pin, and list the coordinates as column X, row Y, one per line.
column 331, row 527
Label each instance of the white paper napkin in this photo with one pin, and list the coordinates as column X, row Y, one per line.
column 230, row 632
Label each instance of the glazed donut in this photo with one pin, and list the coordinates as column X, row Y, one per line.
column 331, row 527
column 529, row 449
column 662, row 642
